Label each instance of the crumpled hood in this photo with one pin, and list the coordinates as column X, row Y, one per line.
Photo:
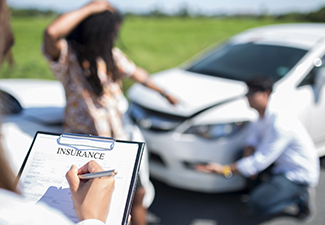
column 194, row 91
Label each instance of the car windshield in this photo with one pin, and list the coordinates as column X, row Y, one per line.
column 242, row 61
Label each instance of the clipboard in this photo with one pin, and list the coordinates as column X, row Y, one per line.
column 50, row 156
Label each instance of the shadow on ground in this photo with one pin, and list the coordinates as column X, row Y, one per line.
column 174, row 206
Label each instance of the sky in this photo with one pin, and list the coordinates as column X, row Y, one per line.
column 194, row 6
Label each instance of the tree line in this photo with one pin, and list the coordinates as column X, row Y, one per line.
column 314, row 16
column 31, row 12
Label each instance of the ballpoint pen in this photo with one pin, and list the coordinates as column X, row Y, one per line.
column 106, row 173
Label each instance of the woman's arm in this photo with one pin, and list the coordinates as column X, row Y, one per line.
column 140, row 75
column 63, row 25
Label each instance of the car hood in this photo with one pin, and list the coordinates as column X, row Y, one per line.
column 194, row 92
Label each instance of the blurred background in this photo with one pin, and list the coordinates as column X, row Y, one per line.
column 156, row 35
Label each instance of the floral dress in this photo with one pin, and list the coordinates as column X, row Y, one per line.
column 86, row 113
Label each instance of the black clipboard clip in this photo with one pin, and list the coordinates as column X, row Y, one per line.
column 86, row 142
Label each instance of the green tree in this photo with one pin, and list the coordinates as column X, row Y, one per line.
column 318, row 16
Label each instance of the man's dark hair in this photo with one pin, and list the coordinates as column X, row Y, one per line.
column 93, row 38
column 260, row 83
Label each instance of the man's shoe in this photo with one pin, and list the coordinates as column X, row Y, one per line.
column 307, row 209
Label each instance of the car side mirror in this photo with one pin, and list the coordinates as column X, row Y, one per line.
column 319, row 83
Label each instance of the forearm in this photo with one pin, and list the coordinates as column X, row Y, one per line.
column 142, row 76
column 228, row 170
column 225, row 170
column 63, row 25
column 60, row 28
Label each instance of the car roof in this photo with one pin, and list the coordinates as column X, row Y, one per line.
column 298, row 35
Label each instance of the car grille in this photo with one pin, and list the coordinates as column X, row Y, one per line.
column 153, row 120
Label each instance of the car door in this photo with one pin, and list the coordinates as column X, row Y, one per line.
column 316, row 112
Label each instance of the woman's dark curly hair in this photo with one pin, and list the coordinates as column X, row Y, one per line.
column 93, row 38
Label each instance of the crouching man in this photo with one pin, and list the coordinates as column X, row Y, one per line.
column 279, row 139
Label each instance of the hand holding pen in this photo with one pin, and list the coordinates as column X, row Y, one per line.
column 91, row 198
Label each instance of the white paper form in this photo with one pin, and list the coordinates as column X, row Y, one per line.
column 43, row 177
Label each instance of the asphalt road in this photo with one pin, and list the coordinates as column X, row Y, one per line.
column 174, row 206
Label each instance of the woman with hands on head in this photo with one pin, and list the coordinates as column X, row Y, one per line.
column 80, row 48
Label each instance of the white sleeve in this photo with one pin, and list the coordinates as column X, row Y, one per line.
column 251, row 139
column 272, row 145
column 48, row 215
column 31, row 213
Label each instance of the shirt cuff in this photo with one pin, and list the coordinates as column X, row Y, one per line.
column 91, row 222
column 245, row 167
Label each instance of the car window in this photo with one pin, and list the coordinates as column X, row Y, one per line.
column 243, row 61
column 310, row 78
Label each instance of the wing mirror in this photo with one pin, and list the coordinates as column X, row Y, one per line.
column 318, row 83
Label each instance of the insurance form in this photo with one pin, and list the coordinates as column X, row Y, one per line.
column 43, row 175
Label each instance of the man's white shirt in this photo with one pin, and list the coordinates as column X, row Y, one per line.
column 281, row 139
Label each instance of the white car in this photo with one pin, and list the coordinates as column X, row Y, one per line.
column 30, row 105
column 211, row 121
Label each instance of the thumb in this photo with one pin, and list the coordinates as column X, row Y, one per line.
column 72, row 178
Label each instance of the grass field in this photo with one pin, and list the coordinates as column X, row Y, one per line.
column 152, row 43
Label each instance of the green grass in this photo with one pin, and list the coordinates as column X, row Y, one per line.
column 29, row 62
column 153, row 43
